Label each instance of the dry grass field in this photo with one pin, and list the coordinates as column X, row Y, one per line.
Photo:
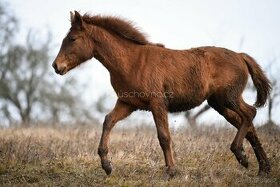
column 68, row 157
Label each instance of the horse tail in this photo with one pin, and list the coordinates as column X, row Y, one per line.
column 259, row 78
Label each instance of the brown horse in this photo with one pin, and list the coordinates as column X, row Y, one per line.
column 148, row 76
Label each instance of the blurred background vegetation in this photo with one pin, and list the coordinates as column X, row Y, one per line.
column 30, row 93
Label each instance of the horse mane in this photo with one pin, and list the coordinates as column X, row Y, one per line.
column 119, row 26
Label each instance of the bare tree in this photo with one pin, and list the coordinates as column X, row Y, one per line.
column 29, row 90
column 28, row 86
column 8, row 27
column 273, row 99
column 192, row 116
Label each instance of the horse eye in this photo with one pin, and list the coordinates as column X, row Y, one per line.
column 72, row 39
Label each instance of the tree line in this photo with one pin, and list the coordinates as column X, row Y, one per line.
column 29, row 91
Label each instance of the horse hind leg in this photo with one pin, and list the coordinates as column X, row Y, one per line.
column 247, row 114
column 264, row 165
column 251, row 136
column 234, row 119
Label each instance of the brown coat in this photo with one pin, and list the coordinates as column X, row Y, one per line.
column 151, row 77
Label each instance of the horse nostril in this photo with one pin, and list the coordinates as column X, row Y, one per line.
column 54, row 66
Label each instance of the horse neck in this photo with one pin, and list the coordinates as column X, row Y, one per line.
column 112, row 51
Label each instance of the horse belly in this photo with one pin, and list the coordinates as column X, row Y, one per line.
column 137, row 102
column 187, row 98
column 182, row 104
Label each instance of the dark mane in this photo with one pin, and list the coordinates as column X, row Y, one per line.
column 120, row 26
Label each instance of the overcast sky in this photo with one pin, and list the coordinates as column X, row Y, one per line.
column 250, row 26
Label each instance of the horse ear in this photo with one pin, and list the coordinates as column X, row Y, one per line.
column 71, row 16
column 77, row 20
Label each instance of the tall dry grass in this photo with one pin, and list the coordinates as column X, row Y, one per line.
column 68, row 156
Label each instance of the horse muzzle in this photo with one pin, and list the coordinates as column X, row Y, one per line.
column 61, row 70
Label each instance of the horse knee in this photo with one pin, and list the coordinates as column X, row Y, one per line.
column 164, row 140
column 108, row 121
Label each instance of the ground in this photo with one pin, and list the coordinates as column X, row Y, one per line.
column 45, row 156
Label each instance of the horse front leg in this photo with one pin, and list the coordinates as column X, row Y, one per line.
column 120, row 111
column 160, row 117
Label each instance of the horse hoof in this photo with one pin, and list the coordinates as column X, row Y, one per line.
column 263, row 173
column 170, row 173
column 107, row 166
column 241, row 156
column 264, row 170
